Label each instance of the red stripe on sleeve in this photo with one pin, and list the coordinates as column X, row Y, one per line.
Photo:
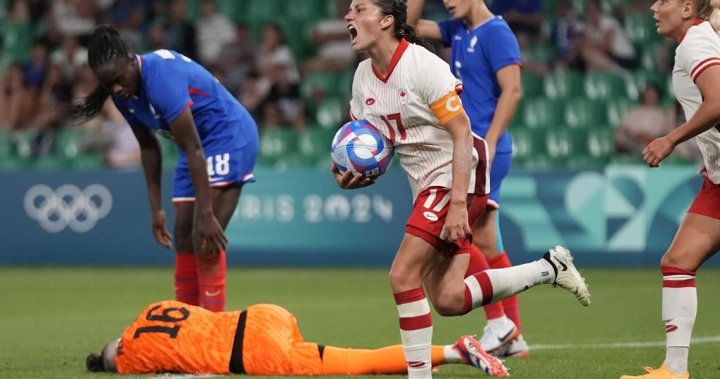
column 713, row 63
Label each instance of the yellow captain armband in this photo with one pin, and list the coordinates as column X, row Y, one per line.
column 447, row 107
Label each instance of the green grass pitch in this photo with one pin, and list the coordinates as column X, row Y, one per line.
column 51, row 318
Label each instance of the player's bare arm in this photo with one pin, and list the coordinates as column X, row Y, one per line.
column 152, row 166
column 424, row 28
column 510, row 94
column 706, row 117
column 456, row 225
column 207, row 231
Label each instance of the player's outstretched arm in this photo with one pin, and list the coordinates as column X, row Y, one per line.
column 424, row 28
column 208, row 235
column 152, row 166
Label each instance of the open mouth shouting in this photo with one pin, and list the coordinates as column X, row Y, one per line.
column 353, row 34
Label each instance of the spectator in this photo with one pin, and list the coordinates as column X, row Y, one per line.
column 283, row 104
column 566, row 35
column 74, row 18
column 69, row 58
column 330, row 36
column 110, row 135
column 16, row 100
column 130, row 18
column 215, row 32
column 237, row 59
column 525, row 17
column 648, row 121
column 17, row 35
column 273, row 51
column 180, row 33
column 605, row 45
column 254, row 91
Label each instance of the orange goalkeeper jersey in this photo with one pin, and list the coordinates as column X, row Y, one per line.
column 170, row 336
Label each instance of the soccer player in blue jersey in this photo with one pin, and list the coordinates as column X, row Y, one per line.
column 167, row 93
column 486, row 58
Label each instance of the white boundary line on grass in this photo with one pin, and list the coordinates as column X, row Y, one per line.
column 615, row 345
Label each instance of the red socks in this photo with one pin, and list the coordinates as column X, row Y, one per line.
column 212, row 269
column 186, row 278
column 478, row 263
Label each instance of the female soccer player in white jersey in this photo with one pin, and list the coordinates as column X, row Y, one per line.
column 410, row 95
column 696, row 79
column 486, row 57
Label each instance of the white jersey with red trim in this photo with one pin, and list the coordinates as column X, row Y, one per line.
column 410, row 106
column 698, row 50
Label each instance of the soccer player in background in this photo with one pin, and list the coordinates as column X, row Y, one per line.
column 486, row 58
column 695, row 81
column 409, row 94
column 169, row 94
column 173, row 337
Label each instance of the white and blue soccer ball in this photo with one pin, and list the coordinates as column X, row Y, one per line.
column 359, row 147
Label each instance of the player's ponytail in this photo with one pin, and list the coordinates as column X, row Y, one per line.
column 94, row 363
column 398, row 9
column 105, row 45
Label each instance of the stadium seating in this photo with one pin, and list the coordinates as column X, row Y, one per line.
column 563, row 84
column 528, row 145
column 585, row 113
column 616, row 109
column 314, row 145
column 640, row 29
column 640, row 78
column 532, row 84
column 330, row 113
column 277, row 142
column 5, row 144
column 604, row 85
column 541, row 113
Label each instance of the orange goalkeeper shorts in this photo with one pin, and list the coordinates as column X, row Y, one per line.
column 273, row 344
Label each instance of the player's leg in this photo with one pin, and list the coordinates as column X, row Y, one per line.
column 229, row 168
column 391, row 359
column 696, row 240
column 503, row 327
column 412, row 263
column 186, row 272
column 212, row 267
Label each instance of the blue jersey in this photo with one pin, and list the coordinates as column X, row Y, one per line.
column 477, row 55
column 171, row 83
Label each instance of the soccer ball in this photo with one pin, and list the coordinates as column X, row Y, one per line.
column 359, row 147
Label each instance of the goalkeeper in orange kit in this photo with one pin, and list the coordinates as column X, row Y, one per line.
column 174, row 337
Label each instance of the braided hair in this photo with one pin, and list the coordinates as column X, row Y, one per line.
column 94, row 363
column 105, row 46
column 398, row 9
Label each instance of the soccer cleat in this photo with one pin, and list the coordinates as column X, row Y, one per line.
column 517, row 348
column 660, row 373
column 566, row 275
column 498, row 334
column 473, row 354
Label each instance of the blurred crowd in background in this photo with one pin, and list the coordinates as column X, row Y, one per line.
column 595, row 77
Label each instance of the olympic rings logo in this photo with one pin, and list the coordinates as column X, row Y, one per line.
column 68, row 206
